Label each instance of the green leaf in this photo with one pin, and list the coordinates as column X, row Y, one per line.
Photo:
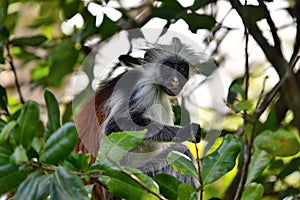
column 19, row 156
column 11, row 176
column 254, row 191
column 44, row 186
column 3, row 10
column 259, row 161
column 60, row 144
column 5, row 152
column 6, row 130
column 53, row 113
column 78, row 161
column 220, row 161
column 278, row 143
column 29, row 41
column 185, row 191
column 58, row 65
column 197, row 21
column 28, row 188
column 117, row 145
column 243, row 105
column 182, row 164
column 27, row 124
column 65, row 185
column 119, row 184
column 168, row 185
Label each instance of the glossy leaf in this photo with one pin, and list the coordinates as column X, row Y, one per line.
column 27, row 124
column 65, row 185
column 182, row 164
column 220, row 161
column 19, row 156
column 185, row 191
column 29, row 41
column 11, row 176
column 254, row 191
column 53, row 113
column 259, row 161
column 44, row 186
column 28, row 188
column 60, row 144
column 168, row 185
column 117, row 145
column 6, row 130
column 278, row 143
column 123, row 186
column 78, row 161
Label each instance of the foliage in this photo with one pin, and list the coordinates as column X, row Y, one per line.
column 37, row 160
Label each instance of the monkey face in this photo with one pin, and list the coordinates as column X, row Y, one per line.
column 174, row 74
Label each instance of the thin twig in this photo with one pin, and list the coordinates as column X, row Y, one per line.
column 248, row 147
column 271, row 24
column 136, row 179
column 13, row 68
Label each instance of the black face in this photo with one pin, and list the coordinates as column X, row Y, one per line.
column 174, row 74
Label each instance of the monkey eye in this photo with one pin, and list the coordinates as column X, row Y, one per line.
column 182, row 70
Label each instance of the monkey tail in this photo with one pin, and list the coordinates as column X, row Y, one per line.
column 89, row 122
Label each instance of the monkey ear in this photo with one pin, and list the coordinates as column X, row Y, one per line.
column 176, row 41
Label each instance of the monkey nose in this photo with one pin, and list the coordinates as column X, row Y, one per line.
column 175, row 82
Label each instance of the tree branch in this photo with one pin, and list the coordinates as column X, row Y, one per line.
column 13, row 68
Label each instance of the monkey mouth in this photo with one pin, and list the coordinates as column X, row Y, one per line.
column 173, row 91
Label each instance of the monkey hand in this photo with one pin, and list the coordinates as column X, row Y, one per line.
column 190, row 133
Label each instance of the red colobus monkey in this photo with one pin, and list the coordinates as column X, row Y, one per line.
column 138, row 100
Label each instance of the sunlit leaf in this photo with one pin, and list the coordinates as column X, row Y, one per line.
column 254, row 191
column 66, row 185
column 278, row 143
column 6, row 131
column 123, row 186
column 117, row 145
column 19, row 156
column 222, row 160
column 185, row 191
column 259, row 161
column 182, row 164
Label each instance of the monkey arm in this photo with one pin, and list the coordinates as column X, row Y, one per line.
column 156, row 131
